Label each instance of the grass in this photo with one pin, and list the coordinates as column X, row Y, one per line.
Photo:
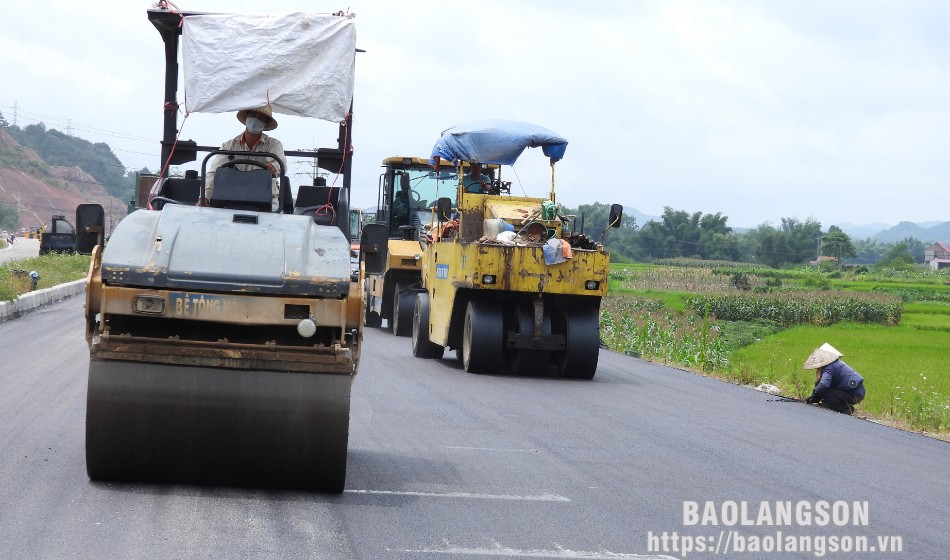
column 54, row 269
column 902, row 367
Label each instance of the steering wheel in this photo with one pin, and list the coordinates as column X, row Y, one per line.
column 415, row 196
column 255, row 163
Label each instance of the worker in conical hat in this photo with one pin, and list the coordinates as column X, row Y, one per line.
column 837, row 385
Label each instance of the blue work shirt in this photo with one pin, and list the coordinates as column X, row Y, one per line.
column 838, row 375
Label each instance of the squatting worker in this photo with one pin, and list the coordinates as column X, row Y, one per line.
column 253, row 139
column 837, row 385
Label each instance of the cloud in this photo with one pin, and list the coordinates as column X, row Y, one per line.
column 759, row 110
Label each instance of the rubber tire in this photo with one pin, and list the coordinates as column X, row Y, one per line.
column 401, row 321
column 422, row 347
column 482, row 337
column 371, row 318
column 581, row 329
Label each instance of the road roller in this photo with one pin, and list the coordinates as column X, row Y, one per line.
column 224, row 333
column 508, row 282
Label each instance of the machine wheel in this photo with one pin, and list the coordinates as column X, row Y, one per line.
column 422, row 347
column 524, row 361
column 159, row 423
column 401, row 321
column 581, row 329
column 372, row 318
column 482, row 337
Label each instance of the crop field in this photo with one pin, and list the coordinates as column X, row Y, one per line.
column 753, row 325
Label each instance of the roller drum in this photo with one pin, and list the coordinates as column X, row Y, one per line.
column 150, row 422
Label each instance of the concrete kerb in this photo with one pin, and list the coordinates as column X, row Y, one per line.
column 38, row 298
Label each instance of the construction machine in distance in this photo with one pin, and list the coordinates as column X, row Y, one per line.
column 60, row 236
column 506, row 282
column 224, row 338
column 408, row 191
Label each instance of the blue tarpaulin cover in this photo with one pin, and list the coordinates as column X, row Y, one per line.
column 496, row 142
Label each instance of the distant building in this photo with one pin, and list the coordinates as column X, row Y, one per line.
column 823, row 259
column 937, row 255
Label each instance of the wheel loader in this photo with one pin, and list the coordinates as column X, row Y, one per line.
column 408, row 191
column 224, row 338
column 508, row 283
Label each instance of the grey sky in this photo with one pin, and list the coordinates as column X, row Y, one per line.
column 760, row 110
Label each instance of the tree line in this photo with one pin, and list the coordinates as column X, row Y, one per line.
column 678, row 233
column 59, row 149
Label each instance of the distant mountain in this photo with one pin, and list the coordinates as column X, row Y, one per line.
column 863, row 231
column 640, row 216
column 903, row 230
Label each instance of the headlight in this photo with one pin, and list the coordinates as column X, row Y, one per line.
column 488, row 279
column 591, row 285
column 149, row 304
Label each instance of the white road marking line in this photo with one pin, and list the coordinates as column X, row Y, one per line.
column 490, row 449
column 559, row 553
column 537, row 498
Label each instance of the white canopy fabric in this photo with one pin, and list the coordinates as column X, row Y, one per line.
column 302, row 64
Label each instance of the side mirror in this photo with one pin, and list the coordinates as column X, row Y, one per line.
column 443, row 208
column 374, row 248
column 613, row 219
column 616, row 214
column 90, row 227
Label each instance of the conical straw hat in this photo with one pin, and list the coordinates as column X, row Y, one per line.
column 822, row 356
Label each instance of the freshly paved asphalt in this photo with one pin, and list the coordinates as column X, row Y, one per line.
column 444, row 464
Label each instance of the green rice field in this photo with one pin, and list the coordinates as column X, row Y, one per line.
column 905, row 366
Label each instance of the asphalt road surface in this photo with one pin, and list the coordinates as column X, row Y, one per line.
column 444, row 464
column 22, row 248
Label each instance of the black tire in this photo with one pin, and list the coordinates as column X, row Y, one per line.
column 371, row 318
column 482, row 337
column 422, row 347
column 401, row 321
column 581, row 329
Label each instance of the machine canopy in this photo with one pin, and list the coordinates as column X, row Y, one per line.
column 302, row 64
column 496, row 142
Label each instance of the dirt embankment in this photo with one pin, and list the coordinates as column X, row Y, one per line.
column 39, row 191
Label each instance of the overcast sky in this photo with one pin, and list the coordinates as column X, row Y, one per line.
column 837, row 111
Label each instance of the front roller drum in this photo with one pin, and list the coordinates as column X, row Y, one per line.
column 173, row 424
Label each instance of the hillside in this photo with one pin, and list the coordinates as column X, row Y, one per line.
column 903, row 230
column 38, row 190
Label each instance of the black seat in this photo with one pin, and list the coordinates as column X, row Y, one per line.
column 310, row 195
column 242, row 190
column 328, row 206
column 184, row 190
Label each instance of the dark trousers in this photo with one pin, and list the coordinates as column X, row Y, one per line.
column 840, row 400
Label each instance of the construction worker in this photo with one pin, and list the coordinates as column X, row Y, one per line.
column 476, row 182
column 253, row 139
column 837, row 385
